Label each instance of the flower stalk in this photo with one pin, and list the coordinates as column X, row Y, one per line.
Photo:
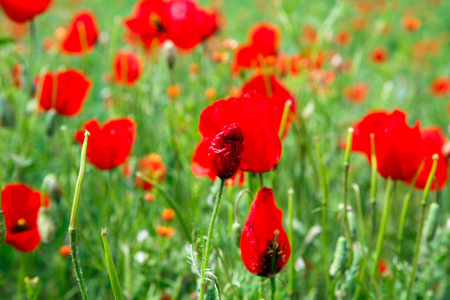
column 111, row 268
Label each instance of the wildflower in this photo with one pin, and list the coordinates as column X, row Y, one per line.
column 153, row 167
column 65, row 91
column 167, row 214
column 173, row 91
column 127, row 67
column 411, row 23
column 81, row 35
column 164, row 231
column 265, row 248
column 109, row 144
column 379, row 55
column 225, row 151
column 64, row 251
column 22, row 11
column 210, row 94
column 149, row 197
column 20, row 205
column 356, row 93
column 440, row 86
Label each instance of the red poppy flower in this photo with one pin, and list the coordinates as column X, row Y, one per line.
column 356, row 93
column 127, row 67
column 225, row 151
column 153, row 167
column 23, row 10
column 383, row 267
column 343, row 38
column 20, row 205
column 188, row 25
column 397, row 145
column 261, row 254
column 379, row 55
column 180, row 21
column 256, row 116
column 440, row 86
column 67, row 98
column 81, row 35
column 433, row 141
column 270, row 87
column 146, row 20
column 110, row 144
column 264, row 39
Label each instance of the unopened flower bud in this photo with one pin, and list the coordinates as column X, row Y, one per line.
column 47, row 228
column 431, row 221
column 225, row 152
column 340, row 257
column 7, row 118
column 170, row 53
column 53, row 189
column 236, row 230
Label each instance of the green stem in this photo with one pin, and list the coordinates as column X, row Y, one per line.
column 346, row 170
column 422, row 221
column 208, row 242
column 76, row 197
column 236, row 203
column 384, row 218
column 373, row 183
column 291, row 241
column 111, row 269
column 171, row 203
column 323, row 177
column 261, row 291
column 76, row 262
column 273, row 286
column 284, row 117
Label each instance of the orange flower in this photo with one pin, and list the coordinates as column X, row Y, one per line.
column 167, row 214
column 210, row 94
column 64, row 251
column 153, row 167
column 194, row 68
column 149, row 197
column 173, row 91
column 383, row 267
column 411, row 23
column 164, row 231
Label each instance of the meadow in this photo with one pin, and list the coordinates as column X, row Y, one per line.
column 329, row 156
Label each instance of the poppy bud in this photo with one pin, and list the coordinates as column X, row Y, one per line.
column 171, row 54
column 431, row 222
column 53, row 189
column 50, row 123
column 47, row 228
column 225, row 152
column 340, row 257
column 236, row 230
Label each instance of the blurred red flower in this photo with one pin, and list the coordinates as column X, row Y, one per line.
column 69, row 94
column 356, row 93
column 23, row 10
column 270, row 87
column 343, row 38
column 180, row 21
column 21, row 204
column 440, row 86
column 153, row 167
column 261, row 253
column 110, row 144
column 263, row 43
column 397, row 145
column 255, row 114
column 379, row 55
column 81, row 35
column 127, row 67
column 225, row 151
column 411, row 23
column 433, row 141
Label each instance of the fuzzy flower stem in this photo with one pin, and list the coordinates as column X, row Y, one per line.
column 422, row 221
column 208, row 242
column 291, row 241
column 373, row 183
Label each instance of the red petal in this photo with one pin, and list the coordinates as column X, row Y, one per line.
column 22, row 11
column 82, row 33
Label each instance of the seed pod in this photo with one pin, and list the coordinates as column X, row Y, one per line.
column 236, row 230
column 2, row 228
column 431, row 221
column 46, row 227
column 351, row 217
column 340, row 257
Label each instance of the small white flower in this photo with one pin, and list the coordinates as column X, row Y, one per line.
column 140, row 256
column 142, row 236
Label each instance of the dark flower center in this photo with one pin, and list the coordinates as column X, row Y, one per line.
column 155, row 20
column 272, row 259
column 21, row 226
